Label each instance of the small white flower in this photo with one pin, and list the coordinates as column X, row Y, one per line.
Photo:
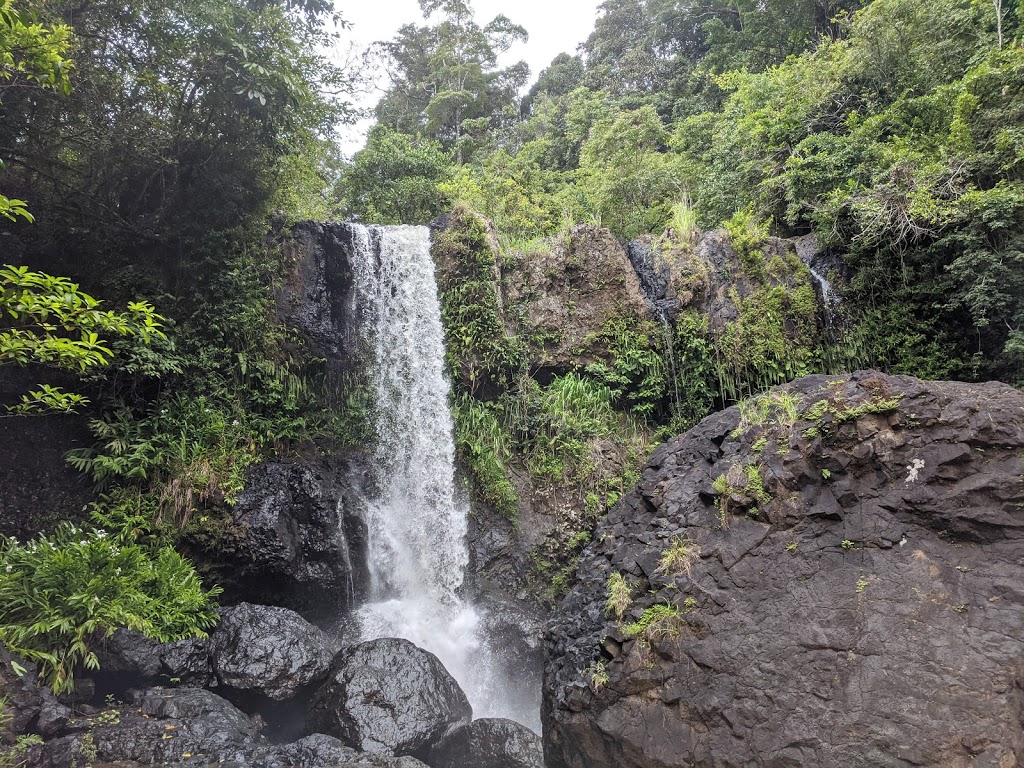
column 9, row 568
column 100, row 533
column 235, row 423
column 117, row 571
column 84, row 543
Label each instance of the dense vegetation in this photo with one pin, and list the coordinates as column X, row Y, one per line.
column 146, row 148
column 890, row 129
column 154, row 153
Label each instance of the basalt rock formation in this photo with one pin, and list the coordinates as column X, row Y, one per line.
column 489, row 743
column 301, row 540
column 388, row 697
column 269, row 651
column 828, row 575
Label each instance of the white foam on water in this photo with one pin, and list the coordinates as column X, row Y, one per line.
column 416, row 522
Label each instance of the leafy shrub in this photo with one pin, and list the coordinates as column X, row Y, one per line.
column 60, row 594
column 637, row 377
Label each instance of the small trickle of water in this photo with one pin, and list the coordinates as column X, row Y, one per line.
column 417, row 523
column 807, row 250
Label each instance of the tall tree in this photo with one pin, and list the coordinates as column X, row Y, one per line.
column 445, row 80
column 183, row 118
column 32, row 56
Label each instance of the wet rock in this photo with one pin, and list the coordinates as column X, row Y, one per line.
column 268, row 650
column 388, row 697
column 489, row 743
column 159, row 727
column 316, row 751
column 856, row 603
column 128, row 655
column 303, row 541
column 319, row 751
column 564, row 297
column 317, row 298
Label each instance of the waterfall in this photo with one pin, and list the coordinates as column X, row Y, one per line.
column 416, row 521
column 655, row 276
column 807, row 250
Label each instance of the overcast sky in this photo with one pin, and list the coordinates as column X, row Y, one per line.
column 554, row 26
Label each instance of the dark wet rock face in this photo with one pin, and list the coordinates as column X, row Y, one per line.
column 196, row 728
column 318, row 296
column 160, row 726
column 489, row 743
column 128, row 655
column 388, row 697
column 269, row 651
column 303, row 542
column 838, row 570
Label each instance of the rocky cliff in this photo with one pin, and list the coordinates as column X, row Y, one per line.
column 827, row 575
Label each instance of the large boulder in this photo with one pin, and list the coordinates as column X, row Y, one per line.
column 268, row 650
column 320, row 751
column 303, row 538
column 828, row 575
column 130, row 656
column 389, row 697
column 490, row 742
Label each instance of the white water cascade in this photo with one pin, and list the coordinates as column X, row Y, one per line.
column 417, row 522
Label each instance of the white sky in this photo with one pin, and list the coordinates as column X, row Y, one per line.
column 555, row 26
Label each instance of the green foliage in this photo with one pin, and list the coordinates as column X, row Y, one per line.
column 747, row 235
column 184, row 451
column 620, row 596
column 61, row 594
column 779, row 406
column 478, row 350
column 41, row 312
column 16, row 755
column 217, row 122
column 626, row 177
column 683, row 221
column 903, row 155
column 33, row 56
column 598, row 675
column 32, row 53
column 697, row 368
column 512, row 191
column 742, row 482
column 570, row 411
column 828, row 412
column 394, row 179
column 483, row 446
column 677, row 559
column 445, row 80
column 637, row 376
column 660, row 620
column 773, row 341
